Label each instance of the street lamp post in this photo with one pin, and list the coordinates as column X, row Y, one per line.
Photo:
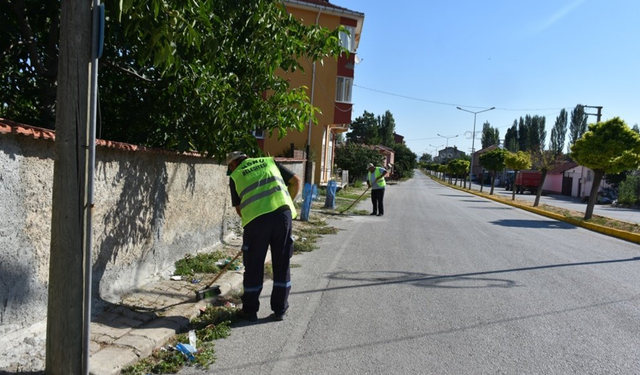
column 436, row 148
column 453, row 136
column 473, row 139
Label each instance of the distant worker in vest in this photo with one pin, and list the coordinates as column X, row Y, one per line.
column 262, row 191
column 376, row 181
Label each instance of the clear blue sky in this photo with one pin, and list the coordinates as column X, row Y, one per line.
column 421, row 59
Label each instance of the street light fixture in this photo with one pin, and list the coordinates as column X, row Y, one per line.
column 473, row 139
column 453, row 136
column 436, row 147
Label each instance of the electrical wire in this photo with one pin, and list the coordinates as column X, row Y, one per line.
column 453, row 104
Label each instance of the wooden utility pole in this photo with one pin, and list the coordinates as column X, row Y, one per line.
column 64, row 346
column 599, row 114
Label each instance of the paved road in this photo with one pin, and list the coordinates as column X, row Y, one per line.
column 625, row 214
column 450, row 283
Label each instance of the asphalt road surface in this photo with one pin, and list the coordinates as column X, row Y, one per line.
column 449, row 283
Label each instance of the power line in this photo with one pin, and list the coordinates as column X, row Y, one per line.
column 452, row 104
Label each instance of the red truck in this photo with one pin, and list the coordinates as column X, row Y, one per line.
column 527, row 180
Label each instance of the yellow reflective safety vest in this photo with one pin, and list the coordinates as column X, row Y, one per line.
column 261, row 188
column 372, row 179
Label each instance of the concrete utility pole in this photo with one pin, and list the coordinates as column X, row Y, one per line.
column 599, row 114
column 65, row 309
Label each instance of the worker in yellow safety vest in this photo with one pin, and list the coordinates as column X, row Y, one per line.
column 262, row 191
column 377, row 183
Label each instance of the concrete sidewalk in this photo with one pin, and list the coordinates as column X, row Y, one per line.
column 125, row 333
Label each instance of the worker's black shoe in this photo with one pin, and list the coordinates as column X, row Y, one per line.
column 278, row 317
column 380, row 214
column 252, row 317
column 372, row 214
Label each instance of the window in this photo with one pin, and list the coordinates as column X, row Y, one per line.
column 343, row 89
column 347, row 40
column 258, row 133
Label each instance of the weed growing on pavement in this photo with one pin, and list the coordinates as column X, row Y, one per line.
column 304, row 245
column 268, row 270
column 213, row 323
column 200, row 263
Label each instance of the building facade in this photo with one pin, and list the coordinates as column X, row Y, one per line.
column 329, row 87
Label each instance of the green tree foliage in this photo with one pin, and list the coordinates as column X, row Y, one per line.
column 537, row 132
column 490, row 135
column 404, row 161
column 558, row 133
column 523, row 135
column 364, row 129
column 578, row 125
column 354, row 157
column 459, row 168
column 511, row 137
column 518, row 161
column 493, row 161
column 607, row 147
column 191, row 75
column 425, row 158
column 29, row 61
column 386, row 128
column 629, row 191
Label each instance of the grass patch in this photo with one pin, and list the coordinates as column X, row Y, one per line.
column 295, row 265
column 303, row 246
column 213, row 324
column 200, row 263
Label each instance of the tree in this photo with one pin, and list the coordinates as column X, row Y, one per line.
column 607, row 147
column 386, row 129
column 511, row 137
column 354, row 157
column 537, row 132
column 517, row 161
column 490, row 135
column 578, row 124
column 404, row 161
column 460, row 168
column 196, row 76
column 558, row 133
column 425, row 158
column 544, row 161
column 29, row 61
column 364, row 129
column 523, row 135
column 493, row 161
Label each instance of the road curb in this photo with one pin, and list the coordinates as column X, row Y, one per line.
column 621, row 234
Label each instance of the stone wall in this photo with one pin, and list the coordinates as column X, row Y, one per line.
column 151, row 209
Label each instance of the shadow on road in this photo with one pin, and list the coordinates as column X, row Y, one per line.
column 538, row 224
column 461, row 280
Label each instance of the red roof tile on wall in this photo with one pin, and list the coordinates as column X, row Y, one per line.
column 11, row 127
column 324, row 3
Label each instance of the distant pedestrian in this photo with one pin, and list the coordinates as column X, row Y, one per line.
column 376, row 181
column 262, row 191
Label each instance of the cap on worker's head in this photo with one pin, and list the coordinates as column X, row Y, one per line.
column 370, row 165
column 235, row 155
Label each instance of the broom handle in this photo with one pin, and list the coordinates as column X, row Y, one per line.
column 224, row 269
column 354, row 202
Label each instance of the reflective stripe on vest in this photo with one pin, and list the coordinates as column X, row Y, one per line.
column 261, row 188
column 372, row 178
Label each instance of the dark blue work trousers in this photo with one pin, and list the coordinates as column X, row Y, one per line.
column 377, row 198
column 274, row 230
